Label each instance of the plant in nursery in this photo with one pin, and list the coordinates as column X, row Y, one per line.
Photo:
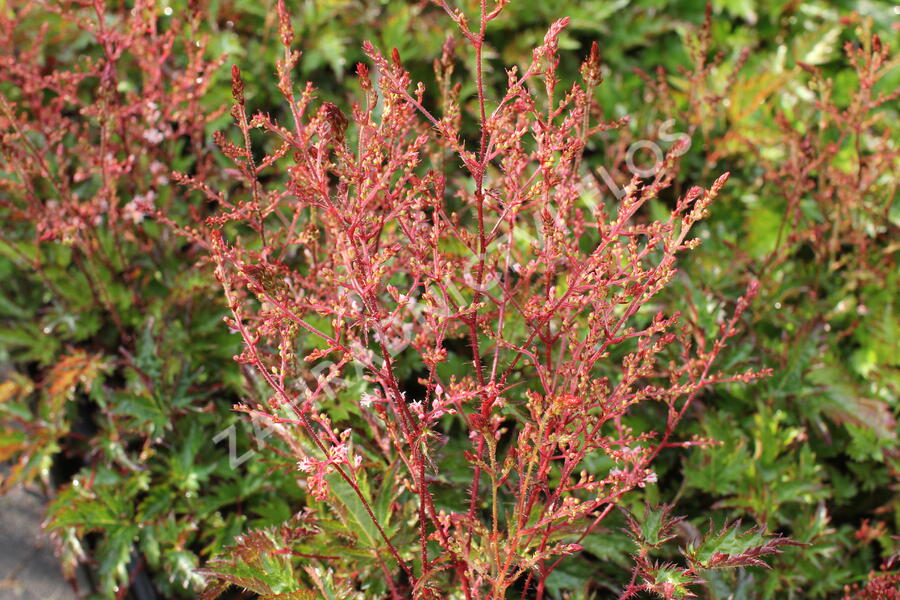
column 454, row 330
column 86, row 137
column 813, row 450
column 836, row 188
column 110, row 351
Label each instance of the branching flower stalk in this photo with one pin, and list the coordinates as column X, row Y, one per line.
column 394, row 245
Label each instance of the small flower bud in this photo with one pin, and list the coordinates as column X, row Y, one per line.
column 336, row 120
column 590, row 68
column 237, row 85
column 285, row 27
column 362, row 71
column 720, row 182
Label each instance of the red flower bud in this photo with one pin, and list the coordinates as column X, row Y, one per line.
column 237, row 85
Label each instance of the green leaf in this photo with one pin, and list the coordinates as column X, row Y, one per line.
column 254, row 565
column 669, row 582
column 353, row 512
column 654, row 528
column 731, row 547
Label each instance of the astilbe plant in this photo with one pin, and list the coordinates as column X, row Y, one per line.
column 836, row 178
column 400, row 240
column 829, row 159
column 88, row 141
column 98, row 101
column 828, row 155
column 849, row 225
column 814, row 148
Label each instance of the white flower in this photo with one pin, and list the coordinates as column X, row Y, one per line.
column 649, row 477
column 132, row 212
column 153, row 136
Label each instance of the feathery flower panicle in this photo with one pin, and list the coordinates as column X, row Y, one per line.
column 398, row 240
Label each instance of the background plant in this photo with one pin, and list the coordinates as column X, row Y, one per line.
column 815, row 222
column 116, row 374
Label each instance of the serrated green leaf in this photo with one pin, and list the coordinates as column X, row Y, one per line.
column 733, row 547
